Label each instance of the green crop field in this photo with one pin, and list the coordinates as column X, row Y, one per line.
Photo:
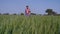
column 19, row 24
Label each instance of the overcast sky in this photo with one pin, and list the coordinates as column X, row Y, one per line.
column 36, row 6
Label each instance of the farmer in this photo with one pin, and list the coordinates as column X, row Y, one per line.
column 27, row 11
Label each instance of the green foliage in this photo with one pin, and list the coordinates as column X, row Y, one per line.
column 22, row 13
column 20, row 24
column 50, row 12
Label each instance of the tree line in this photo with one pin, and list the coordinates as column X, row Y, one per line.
column 48, row 11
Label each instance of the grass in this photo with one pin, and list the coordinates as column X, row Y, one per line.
column 17, row 24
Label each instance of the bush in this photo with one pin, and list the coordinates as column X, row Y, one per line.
column 33, row 14
column 22, row 13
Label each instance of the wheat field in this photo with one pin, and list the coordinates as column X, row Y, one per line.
column 19, row 24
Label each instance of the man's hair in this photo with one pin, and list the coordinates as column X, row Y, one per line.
column 27, row 6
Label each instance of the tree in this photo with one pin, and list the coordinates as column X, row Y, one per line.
column 49, row 11
column 33, row 14
column 22, row 13
column 54, row 13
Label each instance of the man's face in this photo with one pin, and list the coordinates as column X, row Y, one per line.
column 27, row 7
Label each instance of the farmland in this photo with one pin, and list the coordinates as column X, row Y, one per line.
column 19, row 24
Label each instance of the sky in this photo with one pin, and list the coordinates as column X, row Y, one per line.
column 36, row 6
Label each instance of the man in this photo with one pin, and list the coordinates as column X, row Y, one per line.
column 27, row 11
